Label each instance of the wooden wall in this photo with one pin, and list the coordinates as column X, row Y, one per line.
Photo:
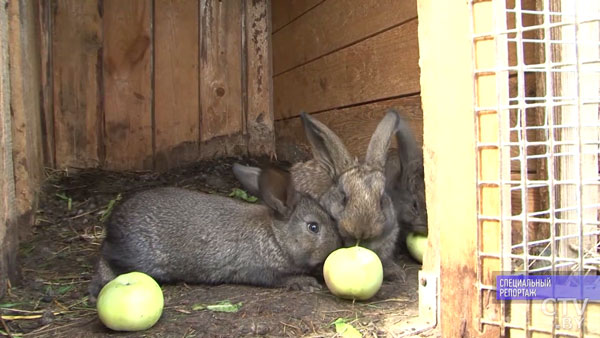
column 345, row 62
column 21, row 160
column 7, row 183
column 152, row 84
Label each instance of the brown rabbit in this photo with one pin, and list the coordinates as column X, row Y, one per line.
column 352, row 192
column 405, row 184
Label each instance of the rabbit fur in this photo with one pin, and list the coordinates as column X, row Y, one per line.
column 174, row 234
column 352, row 192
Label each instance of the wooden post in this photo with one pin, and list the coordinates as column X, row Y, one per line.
column 25, row 107
column 447, row 86
column 8, row 244
column 259, row 112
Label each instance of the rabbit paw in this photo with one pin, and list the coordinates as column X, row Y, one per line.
column 302, row 283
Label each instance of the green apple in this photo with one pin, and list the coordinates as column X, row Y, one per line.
column 416, row 244
column 353, row 273
column 130, row 302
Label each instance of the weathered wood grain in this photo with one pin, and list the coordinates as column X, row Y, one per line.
column 285, row 11
column 334, row 25
column 25, row 108
column 220, row 68
column 259, row 109
column 8, row 233
column 45, row 19
column 176, row 100
column 380, row 67
column 127, row 84
column 76, row 44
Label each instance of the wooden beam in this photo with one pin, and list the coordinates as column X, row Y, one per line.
column 25, row 108
column 8, row 232
column 45, row 18
column 259, row 112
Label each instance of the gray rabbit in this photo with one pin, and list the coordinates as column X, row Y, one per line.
column 174, row 234
column 405, row 183
column 352, row 192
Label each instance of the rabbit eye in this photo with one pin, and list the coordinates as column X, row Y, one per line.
column 415, row 206
column 313, row 227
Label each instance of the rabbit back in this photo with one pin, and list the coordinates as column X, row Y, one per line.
column 176, row 235
column 180, row 235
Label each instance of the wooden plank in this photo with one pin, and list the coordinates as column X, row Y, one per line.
column 176, row 110
column 76, row 44
column 449, row 159
column 127, row 84
column 47, row 115
column 220, row 68
column 8, row 233
column 25, row 108
column 380, row 67
column 285, row 11
column 354, row 126
column 333, row 25
column 259, row 114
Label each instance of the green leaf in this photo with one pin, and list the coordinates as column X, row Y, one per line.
column 243, row 195
column 62, row 196
column 222, row 306
column 109, row 207
column 198, row 307
column 346, row 330
column 64, row 289
column 8, row 305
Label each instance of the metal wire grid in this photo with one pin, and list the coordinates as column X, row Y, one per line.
column 561, row 143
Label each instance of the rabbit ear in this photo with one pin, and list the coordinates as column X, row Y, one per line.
column 380, row 141
column 275, row 190
column 248, row 177
column 407, row 147
column 327, row 148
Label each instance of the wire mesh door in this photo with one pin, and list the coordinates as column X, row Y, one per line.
column 537, row 95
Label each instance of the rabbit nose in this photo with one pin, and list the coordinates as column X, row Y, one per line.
column 353, row 230
column 369, row 228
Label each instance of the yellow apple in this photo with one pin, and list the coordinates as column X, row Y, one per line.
column 130, row 302
column 353, row 273
column 416, row 244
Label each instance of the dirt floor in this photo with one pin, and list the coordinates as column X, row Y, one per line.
column 57, row 263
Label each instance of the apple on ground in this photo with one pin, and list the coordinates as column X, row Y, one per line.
column 130, row 302
column 416, row 244
column 353, row 273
